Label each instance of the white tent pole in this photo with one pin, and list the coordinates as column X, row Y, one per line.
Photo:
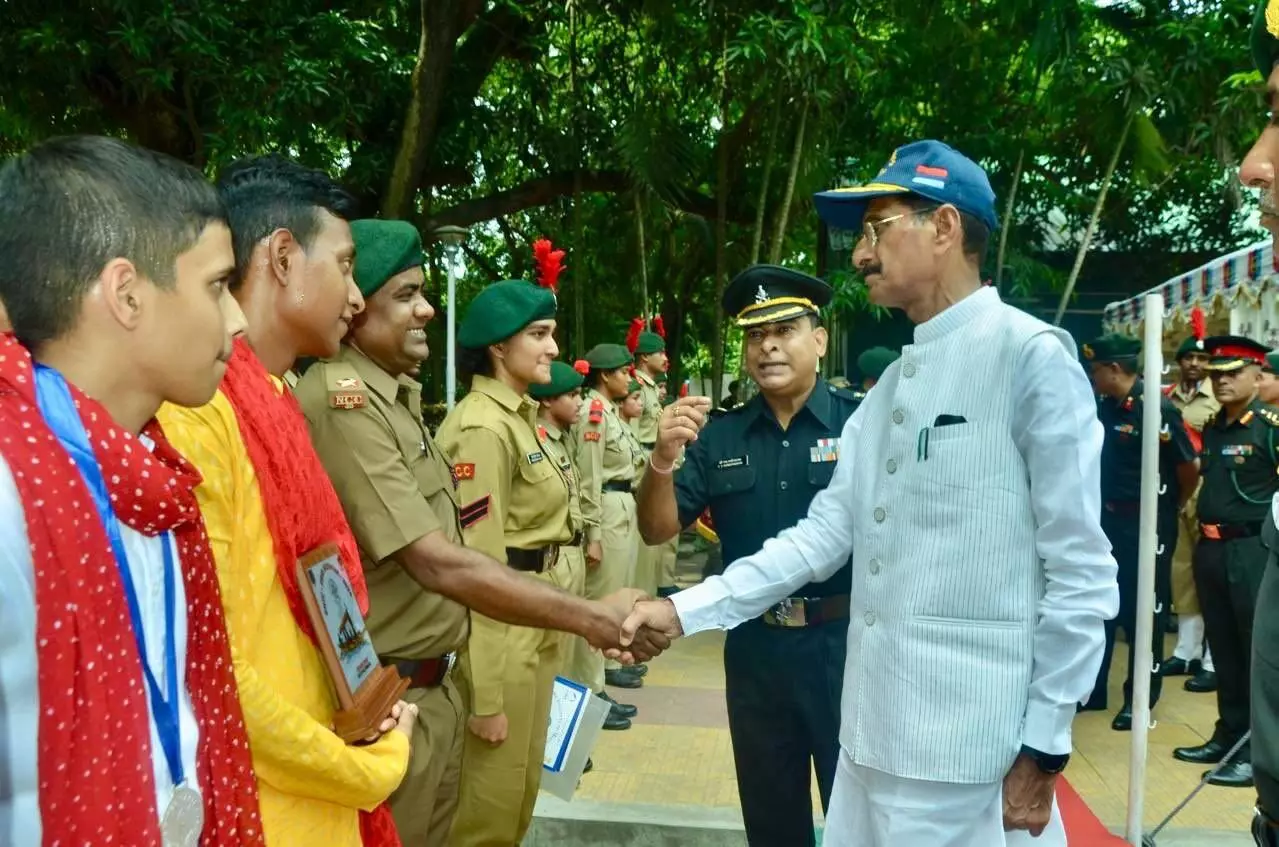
column 1151, row 422
column 450, row 373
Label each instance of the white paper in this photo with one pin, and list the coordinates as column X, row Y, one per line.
column 570, row 736
column 568, row 700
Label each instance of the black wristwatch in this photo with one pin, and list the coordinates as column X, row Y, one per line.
column 1046, row 762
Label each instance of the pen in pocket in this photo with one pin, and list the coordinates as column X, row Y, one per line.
column 921, row 445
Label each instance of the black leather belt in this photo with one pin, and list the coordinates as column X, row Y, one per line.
column 426, row 673
column 1229, row 531
column 621, row 487
column 796, row 612
column 537, row 560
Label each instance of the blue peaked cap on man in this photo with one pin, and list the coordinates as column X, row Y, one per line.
column 929, row 169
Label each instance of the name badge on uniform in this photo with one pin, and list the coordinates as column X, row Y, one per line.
column 1126, row 429
column 825, row 450
column 535, row 457
column 736, row 462
column 1237, row 450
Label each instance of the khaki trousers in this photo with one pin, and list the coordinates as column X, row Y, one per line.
column 426, row 801
column 666, row 565
column 500, row 783
column 1185, row 601
column 616, row 570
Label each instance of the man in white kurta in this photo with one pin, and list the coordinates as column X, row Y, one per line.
column 968, row 494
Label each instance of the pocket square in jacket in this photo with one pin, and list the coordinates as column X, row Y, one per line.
column 948, row 420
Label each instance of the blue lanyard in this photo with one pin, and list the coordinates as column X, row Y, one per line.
column 59, row 412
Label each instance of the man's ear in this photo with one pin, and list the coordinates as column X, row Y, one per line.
column 123, row 292
column 950, row 230
column 282, row 250
column 822, row 338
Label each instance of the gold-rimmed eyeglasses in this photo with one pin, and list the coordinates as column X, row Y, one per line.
column 871, row 229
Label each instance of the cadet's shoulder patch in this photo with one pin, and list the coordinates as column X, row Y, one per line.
column 474, row 512
column 345, row 388
column 542, row 434
column 464, row 470
column 591, row 436
column 596, row 413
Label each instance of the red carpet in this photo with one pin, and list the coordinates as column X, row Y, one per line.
column 1082, row 827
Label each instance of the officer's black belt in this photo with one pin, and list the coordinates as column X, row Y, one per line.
column 1229, row 531
column 537, row 560
column 648, row 445
column 425, row 673
column 577, row 539
column 621, row 487
column 807, row 611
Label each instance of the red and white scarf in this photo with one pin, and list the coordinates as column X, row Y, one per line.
column 95, row 769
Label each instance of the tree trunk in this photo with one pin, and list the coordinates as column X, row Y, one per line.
column 1092, row 221
column 1008, row 218
column 783, row 212
column 579, row 273
column 721, row 224
column 757, row 237
column 643, row 260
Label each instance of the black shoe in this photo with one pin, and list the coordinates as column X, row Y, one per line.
column 666, row 591
column 1123, row 720
column 621, row 710
column 590, row 766
column 1202, row 682
column 1264, row 831
column 1205, row 754
column 1233, row 775
column 640, row 670
column 1091, row 706
column 622, row 679
column 1182, row 667
column 615, row 723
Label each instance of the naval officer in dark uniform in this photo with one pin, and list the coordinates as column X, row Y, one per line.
column 1112, row 362
column 1239, row 461
column 757, row 467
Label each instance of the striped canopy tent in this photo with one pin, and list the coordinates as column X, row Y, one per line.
column 1236, row 293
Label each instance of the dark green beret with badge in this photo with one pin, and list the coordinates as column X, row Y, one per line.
column 649, row 342
column 382, row 250
column 1265, row 37
column 1111, row 348
column 873, row 362
column 632, row 386
column 764, row 294
column 503, row 309
column 608, row 357
column 563, row 380
column 1231, row 352
column 1190, row 345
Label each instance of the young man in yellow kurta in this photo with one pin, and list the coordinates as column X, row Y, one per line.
column 294, row 255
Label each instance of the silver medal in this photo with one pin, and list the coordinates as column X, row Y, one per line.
column 183, row 818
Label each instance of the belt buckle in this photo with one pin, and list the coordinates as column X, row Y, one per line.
column 450, row 660
column 1211, row 531
column 790, row 613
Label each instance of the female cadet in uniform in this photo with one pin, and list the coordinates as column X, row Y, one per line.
column 515, row 508
column 607, row 454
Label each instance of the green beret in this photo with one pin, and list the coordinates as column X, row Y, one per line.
column 607, row 357
column 503, row 309
column 649, row 342
column 1265, row 37
column 1190, row 345
column 563, row 380
column 1111, row 348
column 1272, row 362
column 873, row 362
column 382, row 250
column 632, row 386
column 660, row 379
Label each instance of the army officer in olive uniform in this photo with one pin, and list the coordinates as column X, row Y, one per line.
column 758, row 467
column 1238, row 463
column 398, row 493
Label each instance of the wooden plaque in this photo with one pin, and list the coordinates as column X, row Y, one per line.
column 366, row 690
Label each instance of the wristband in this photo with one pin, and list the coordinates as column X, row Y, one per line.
column 662, row 471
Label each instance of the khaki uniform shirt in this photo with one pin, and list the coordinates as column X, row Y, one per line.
column 511, row 493
column 1197, row 407
column 645, row 426
column 395, row 486
column 557, row 444
column 605, row 451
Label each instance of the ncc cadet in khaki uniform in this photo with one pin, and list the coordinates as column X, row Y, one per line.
column 651, row 362
column 607, row 457
column 561, row 403
column 515, row 507
column 1192, row 396
column 399, row 495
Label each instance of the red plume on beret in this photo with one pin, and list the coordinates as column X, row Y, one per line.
column 659, row 326
column 582, row 366
column 550, row 263
column 633, row 334
column 1198, row 324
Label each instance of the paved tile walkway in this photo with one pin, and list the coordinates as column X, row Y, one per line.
column 678, row 751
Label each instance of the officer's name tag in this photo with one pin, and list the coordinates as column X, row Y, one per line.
column 825, row 450
column 736, row 462
column 535, row 457
column 1237, row 450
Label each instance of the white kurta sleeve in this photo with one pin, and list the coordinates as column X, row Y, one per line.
column 1056, row 429
column 811, row 551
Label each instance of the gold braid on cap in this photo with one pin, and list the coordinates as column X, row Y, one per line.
column 779, row 301
column 1272, row 17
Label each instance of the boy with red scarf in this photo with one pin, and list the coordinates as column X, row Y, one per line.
column 267, row 502
column 119, row 722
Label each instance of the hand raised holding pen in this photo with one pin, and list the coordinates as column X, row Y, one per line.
column 679, row 424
